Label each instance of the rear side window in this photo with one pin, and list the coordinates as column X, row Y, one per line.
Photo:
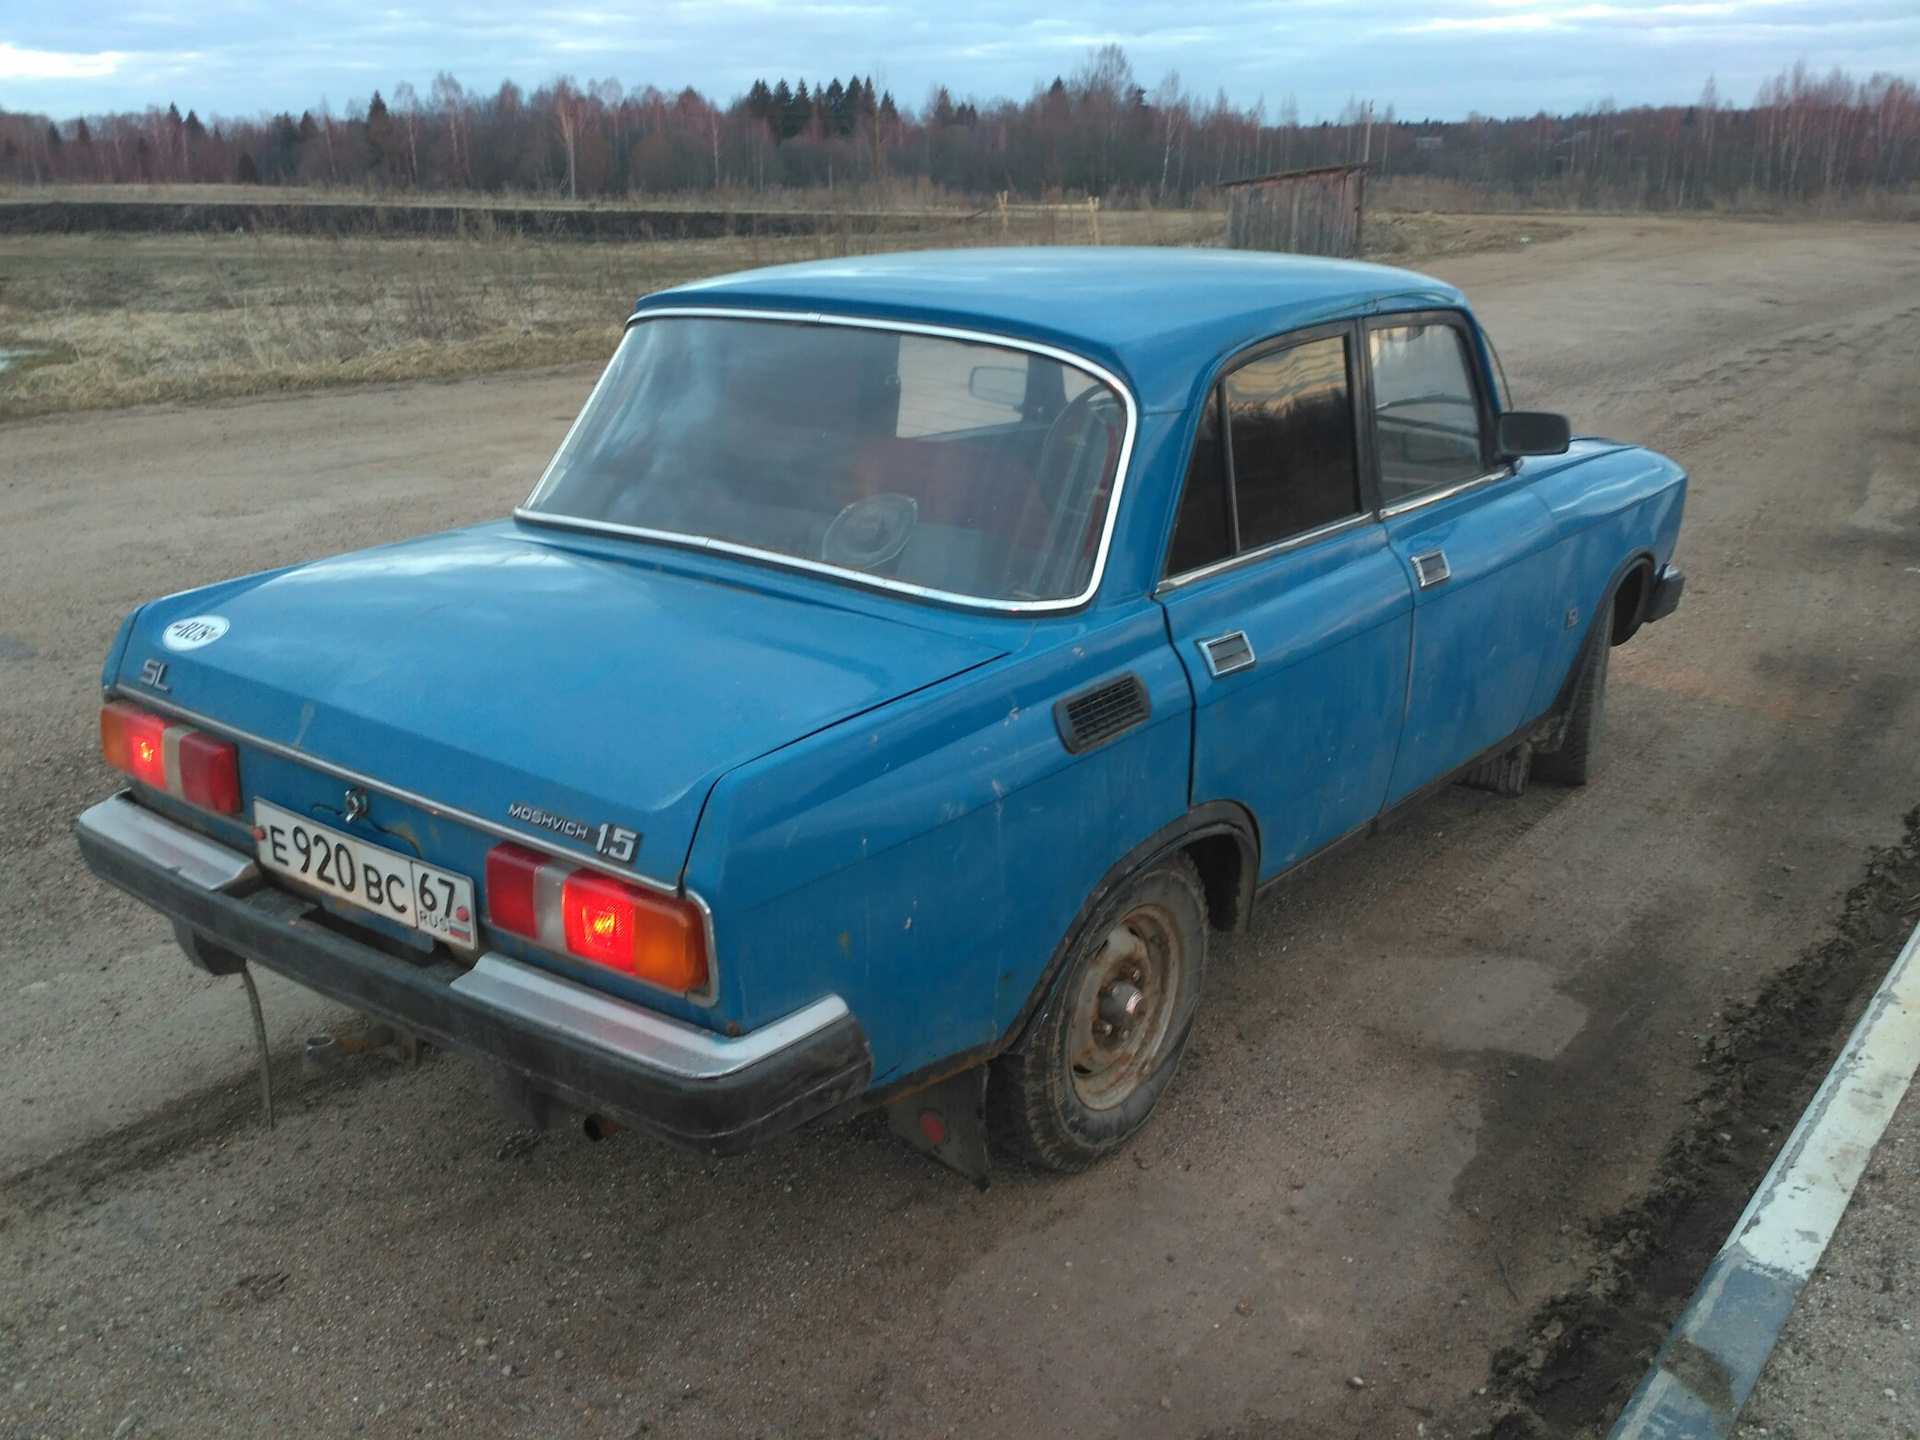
column 1426, row 412
column 1275, row 456
column 1203, row 532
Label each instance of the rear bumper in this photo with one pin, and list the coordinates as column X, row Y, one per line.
column 587, row 1049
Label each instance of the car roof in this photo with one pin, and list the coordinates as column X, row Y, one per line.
column 1155, row 315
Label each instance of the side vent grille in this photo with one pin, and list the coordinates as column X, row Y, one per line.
column 1096, row 716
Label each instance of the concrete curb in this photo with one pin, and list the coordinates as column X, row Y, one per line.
column 1712, row 1359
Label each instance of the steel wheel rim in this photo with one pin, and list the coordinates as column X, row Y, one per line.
column 1123, row 1008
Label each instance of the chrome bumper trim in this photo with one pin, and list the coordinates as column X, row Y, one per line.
column 522, row 992
column 172, row 847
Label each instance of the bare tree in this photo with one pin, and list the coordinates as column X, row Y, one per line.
column 407, row 105
column 451, row 101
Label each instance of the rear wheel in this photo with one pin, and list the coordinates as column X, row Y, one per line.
column 1103, row 1049
column 1578, row 757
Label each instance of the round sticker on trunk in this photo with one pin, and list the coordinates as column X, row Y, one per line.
column 193, row 632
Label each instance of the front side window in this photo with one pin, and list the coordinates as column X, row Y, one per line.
column 975, row 469
column 1426, row 412
column 1275, row 457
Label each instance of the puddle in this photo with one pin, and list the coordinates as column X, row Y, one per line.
column 11, row 358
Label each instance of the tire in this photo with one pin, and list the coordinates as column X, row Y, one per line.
column 1578, row 758
column 1082, row 1079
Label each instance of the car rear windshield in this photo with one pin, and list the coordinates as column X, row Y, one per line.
column 958, row 466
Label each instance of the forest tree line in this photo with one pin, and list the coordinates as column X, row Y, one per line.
column 1097, row 132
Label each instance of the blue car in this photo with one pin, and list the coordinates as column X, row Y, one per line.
column 903, row 666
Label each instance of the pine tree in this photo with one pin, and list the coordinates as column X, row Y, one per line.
column 782, row 109
column 379, row 148
column 244, row 170
column 760, row 102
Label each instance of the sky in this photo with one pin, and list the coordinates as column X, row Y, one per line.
column 1437, row 58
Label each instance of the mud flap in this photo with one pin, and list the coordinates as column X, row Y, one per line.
column 949, row 1122
column 1504, row 774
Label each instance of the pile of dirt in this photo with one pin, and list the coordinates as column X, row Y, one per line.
column 1585, row 1350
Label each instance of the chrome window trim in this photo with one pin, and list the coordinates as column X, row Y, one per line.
column 1460, row 487
column 1278, row 547
column 527, row 512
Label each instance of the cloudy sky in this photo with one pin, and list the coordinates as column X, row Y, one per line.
column 1441, row 58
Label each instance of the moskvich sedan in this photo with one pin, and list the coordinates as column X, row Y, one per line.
column 901, row 668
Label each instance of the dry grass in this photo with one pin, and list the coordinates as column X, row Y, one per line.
column 122, row 319
column 135, row 319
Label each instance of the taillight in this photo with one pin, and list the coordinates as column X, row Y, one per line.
column 511, row 875
column 188, row 764
column 594, row 917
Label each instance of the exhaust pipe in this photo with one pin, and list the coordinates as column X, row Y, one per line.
column 599, row 1127
column 320, row 1053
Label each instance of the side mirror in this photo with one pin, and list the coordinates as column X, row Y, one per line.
column 1533, row 432
column 998, row 385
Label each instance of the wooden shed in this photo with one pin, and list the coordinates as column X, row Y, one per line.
column 1307, row 212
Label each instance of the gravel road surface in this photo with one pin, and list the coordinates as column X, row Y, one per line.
column 1413, row 1088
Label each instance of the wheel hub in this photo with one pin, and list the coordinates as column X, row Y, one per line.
column 1120, row 1006
column 1123, row 1007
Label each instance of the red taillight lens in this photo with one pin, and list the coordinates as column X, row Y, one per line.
column 653, row 937
column 209, row 772
column 511, row 876
column 598, row 917
column 594, row 917
column 186, row 763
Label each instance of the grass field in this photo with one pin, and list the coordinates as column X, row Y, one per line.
column 109, row 320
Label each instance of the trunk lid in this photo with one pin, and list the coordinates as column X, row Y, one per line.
column 505, row 676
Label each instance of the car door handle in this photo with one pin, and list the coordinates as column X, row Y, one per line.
column 1228, row 653
column 1430, row 568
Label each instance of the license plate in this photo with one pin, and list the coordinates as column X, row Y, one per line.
column 368, row 877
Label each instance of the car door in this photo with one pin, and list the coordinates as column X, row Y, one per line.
column 1288, row 608
column 1474, row 540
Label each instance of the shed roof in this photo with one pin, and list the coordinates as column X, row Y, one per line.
column 1155, row 315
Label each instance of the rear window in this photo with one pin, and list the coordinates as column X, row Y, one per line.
column 970, row 468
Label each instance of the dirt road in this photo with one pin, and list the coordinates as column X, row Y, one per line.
column 1413, row 1087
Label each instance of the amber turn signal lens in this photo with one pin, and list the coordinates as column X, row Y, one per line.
column 594, row 917
column 188, row 764
column 623, row 927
